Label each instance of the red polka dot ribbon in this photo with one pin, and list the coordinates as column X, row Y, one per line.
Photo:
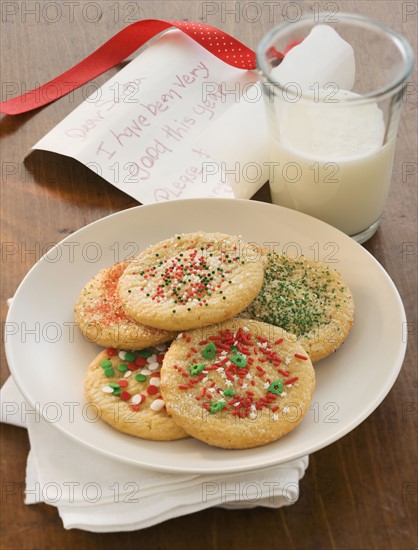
column 118, row 48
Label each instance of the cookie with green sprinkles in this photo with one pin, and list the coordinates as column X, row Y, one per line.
column 191, row 280
column 124, row 386
column 237, row 384
column 102, row 320
column 308, row 299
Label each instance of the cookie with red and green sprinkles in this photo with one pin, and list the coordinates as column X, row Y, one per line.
column 102, row 320
column 308, row 299
column 124, row 386
column 237, row 384
column 191, row 280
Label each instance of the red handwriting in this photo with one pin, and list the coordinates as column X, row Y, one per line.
column 175, row 189
column 177, row 130
column 207, row 107
column 82, row 132
column 192, row 76
column 163, row 104
column 101, row 149
column 142, row 167
column 135, row 128
column 120, row 92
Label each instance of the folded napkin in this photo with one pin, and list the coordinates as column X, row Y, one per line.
column 95, row 493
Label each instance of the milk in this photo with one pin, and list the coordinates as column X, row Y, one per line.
column 349, row 194
column 328, row 152
column 332, row 163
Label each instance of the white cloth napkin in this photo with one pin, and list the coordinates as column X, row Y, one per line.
column 95, row 493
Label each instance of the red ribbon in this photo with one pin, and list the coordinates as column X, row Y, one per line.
column 118, row 48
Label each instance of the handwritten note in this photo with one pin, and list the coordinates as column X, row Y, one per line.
column 142, row 130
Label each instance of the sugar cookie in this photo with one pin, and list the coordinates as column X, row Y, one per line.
column 102, row 320
column 124, row 387
column 237, row 384
column 308, row 299
column 191, row 280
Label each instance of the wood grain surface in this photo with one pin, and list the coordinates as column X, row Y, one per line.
column 360, row 492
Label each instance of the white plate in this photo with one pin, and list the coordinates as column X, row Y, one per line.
column 48, row 357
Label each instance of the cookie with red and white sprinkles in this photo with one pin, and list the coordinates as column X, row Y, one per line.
column 237, row 384
column 125, row 388
column 102, row 320
column 191, row 280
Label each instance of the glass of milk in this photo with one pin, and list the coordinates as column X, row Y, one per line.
column 333, row 87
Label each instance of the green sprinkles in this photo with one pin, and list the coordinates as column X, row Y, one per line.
column 276, row 387
column 105, row 363
column 140, row 377
column 109, row 372
column 145, row 353
column 201, row 268
column 239, row 360
column 209, row 351
column 196, row 368
column 296, row 296
column 117, row 390
column 216, row 406
column 122, row 368
column 130, row 357
column 229, row 392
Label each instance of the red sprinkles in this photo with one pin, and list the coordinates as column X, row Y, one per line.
column 107, row 308
column 236, row 356
column 129, row 361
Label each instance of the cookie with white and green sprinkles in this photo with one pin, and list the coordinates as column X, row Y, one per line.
column 308, row 299
column 237, row 384
column 191, row 280
column 102, row 320
column 124, row 386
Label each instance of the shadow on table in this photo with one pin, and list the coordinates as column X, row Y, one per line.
column 74, row 182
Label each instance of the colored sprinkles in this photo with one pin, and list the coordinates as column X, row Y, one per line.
column 191, row 277
column 149, row 361
column 106, row 308
column 296, row 295
column 237, row 357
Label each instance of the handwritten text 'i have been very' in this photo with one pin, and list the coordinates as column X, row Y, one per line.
column 140, row 130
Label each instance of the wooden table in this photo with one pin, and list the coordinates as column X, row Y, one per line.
column 358, row 493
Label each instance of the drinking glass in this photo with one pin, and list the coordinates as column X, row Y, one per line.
column 331, row 149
